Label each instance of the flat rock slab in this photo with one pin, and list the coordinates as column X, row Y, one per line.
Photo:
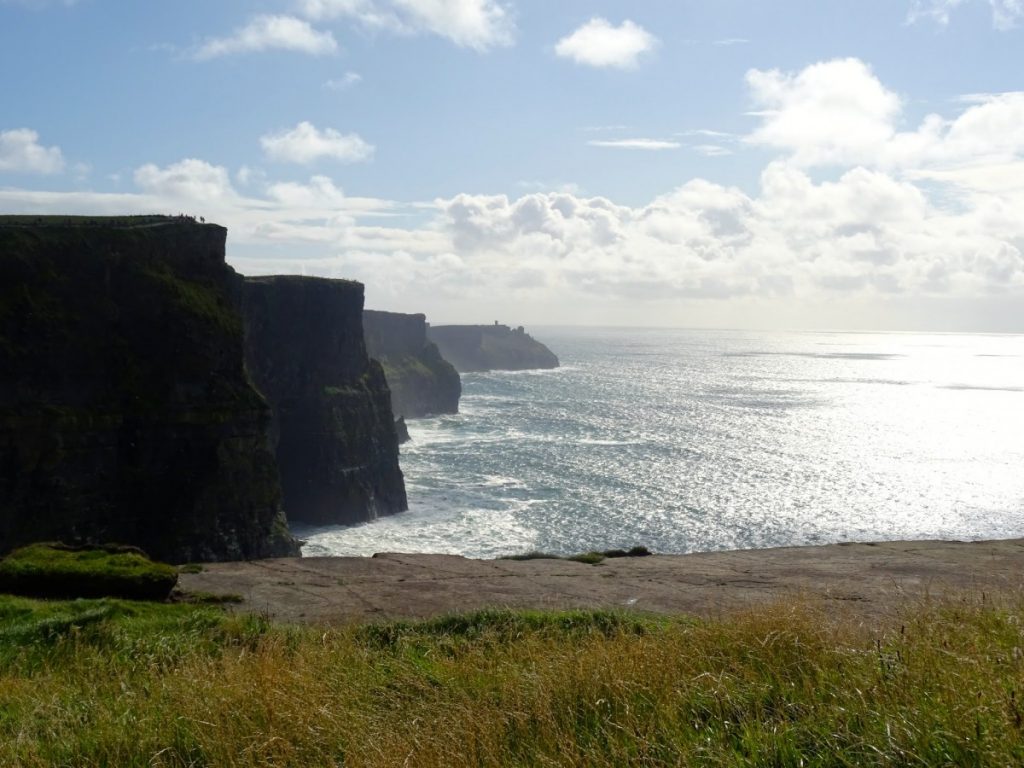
column 871, row 579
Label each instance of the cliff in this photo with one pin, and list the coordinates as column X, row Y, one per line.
column 126, row 414
column 422, row 382
column 490, row 348
column 333, row 430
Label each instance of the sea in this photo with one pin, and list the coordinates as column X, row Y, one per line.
column 698, row 440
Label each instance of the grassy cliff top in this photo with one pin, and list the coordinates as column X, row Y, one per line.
column 58, row 570
column 303, row 279
column 107, row 222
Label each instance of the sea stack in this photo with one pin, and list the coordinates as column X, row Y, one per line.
column 333, row 431
column 126, row 414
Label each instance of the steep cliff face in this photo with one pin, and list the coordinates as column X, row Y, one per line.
column 422, row 382
column 333, row 430
column 126, row 414
column 490, row 348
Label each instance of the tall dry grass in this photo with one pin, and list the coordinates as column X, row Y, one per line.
column 780, row 686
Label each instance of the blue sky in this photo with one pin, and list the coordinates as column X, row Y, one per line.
column 740, row 164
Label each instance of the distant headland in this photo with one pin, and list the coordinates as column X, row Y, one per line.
column 490, row 348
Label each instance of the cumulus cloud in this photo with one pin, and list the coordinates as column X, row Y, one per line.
column 864, row 234
column 190, row 180
column 305, row 143
column 838, row 113
column 1005, row 13
column 832, row 112
column 646, row 144
column 477, row 24
column 876, row 232
column 266, row 32
column 600, row 44
column 21, row 152
column 928, row 215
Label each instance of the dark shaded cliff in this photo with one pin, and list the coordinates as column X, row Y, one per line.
column 333, row 430
column 490, row 348
column 126, row 414
column 422, row 382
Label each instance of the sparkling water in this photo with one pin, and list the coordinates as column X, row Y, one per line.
column 687, row 441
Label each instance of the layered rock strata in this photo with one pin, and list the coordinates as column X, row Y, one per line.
column 126, row 414
column 333, row 431
column 422, row 382
column 490, row 348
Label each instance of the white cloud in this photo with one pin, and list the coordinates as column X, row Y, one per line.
column 865, row 234
column 599, row 44
column 1005, row 13
column 21, row 152
column 865, row 237
column 934, row 10
column 838, row 113
column 707, row 133
column 291, row 215
column 477, row 24
column 647, row 144
column 343, row 83
column 731, row 41
column 921, row 218
column 246, row 175
column 190, row 180
column 551, row 186
column 305, row 143
column 264, row 33
column 712, row 150
column 319, row 193
column 831, row 112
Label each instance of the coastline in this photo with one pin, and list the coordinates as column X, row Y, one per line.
column 872, row 579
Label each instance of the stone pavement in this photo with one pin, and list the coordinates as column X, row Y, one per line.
column 871, row 579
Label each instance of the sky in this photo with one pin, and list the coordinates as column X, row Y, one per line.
column 805, row 164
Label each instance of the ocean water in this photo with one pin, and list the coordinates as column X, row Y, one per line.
column 687, row 441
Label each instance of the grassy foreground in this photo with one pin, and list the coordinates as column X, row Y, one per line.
column 137, row 684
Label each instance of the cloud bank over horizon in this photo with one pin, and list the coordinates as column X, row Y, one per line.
column 622, row 164
column 928, row 213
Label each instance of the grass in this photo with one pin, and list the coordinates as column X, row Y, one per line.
column 207, row 598
column 59, row 570
column 125, row 222
column 91, row 683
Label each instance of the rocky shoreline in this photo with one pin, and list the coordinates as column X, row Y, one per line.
column 873, row 579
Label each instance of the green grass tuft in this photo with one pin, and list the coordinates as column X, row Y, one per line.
column 208, row 598
column 58, row 570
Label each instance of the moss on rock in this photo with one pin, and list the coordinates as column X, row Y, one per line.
column 62, row 571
